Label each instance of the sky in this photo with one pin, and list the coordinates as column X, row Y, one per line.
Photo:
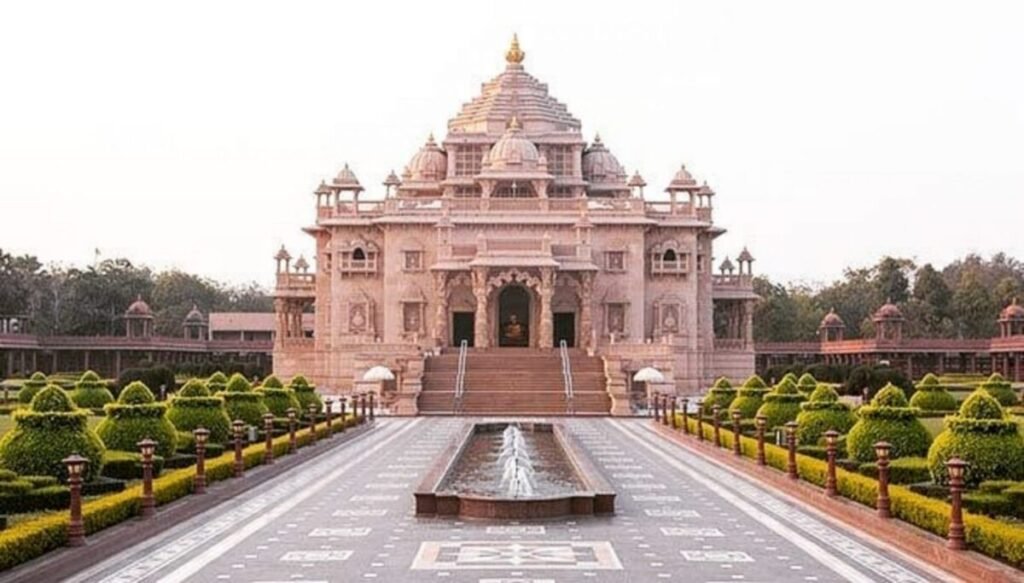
column 191, row 134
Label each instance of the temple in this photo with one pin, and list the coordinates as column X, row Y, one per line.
column 517, row 238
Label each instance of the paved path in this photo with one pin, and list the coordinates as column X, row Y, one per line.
column 347, row 516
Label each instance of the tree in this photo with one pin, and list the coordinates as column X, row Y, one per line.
column 930, row 309
column 975, row 311
column 891, row 281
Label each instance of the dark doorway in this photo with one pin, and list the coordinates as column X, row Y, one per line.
column 565, row 328
column 514, row 316
column 462, row 328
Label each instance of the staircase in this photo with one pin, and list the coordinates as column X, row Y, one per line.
column 514, row 381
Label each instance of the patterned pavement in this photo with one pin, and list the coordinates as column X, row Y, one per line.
column 348, row 516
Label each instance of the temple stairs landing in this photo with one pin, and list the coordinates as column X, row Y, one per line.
column 514, row 381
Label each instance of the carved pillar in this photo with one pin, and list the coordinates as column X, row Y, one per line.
column 748, row 324
column 586, row 317
column 481, row 334
column 547, row 291
column 441, row 317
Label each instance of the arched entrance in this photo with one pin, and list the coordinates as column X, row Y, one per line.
column 514, row 316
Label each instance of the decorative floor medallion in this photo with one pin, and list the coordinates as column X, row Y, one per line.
column 559, row 555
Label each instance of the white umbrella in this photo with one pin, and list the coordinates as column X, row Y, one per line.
column 378, row 374
column 649, row 375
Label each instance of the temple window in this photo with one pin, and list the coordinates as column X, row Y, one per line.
column 469, row 159
column 700, row 264
column 358, row 255
column 358, row 260
column 412, row 261
column 615, row 261
column 669, row 262
column 514, row 190
column 670, row 255
column 559, row 160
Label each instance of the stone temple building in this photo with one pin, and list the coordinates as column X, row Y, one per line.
column 513, row 235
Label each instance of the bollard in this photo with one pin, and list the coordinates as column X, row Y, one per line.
column 268, row 430
column 312, row 423
column 686, row 416
column 736, row 446
column 362, row 406
column 831, row 438
column 700, row 420
column 955, row 539
column 293, row 444
column 882, row 450
column 329, row 404
column 76, row 528
column 147, row 447
column 373, row 406
column 238, row 426
column 341, row 404
column 201, row 435
column 664, row 409
column 760, row 422
column 716, row 411
column 675, row 422
column 791, row 470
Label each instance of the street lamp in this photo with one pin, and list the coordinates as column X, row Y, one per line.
column 831, row 439
column 341, row 411
column 686, row 416
column 882, row 450
column 147, row 447
column 328, row 405
column 955, row 540
column 760, row 421
column 791, row 445
column 238, row 426
column 700, row 420
column 716, row 421
column 76, row 528
column 292, row 444
column 268, row 430
column 736, row 446
column 201, row 435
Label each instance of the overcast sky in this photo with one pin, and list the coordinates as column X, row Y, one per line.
column 191, row 135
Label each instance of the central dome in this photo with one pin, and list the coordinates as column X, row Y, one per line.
column 513, row 151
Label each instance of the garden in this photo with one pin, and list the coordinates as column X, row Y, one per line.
column 106, row 443
column 911, row 442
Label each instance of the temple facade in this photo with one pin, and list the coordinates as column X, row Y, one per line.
column 513, row 232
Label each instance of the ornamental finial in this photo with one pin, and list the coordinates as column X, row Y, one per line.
column 515, row 54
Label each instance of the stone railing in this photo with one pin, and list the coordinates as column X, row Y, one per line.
column 730, row 344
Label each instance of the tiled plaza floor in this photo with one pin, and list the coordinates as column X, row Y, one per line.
column 347, row 516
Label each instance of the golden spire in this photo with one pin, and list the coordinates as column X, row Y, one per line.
column 513, row 124
column 515, row 54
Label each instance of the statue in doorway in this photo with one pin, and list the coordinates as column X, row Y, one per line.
column 514, row 333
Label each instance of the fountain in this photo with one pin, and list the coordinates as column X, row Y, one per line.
column 513, row 470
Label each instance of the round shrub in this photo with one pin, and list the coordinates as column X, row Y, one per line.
column 279, row 400
column 782, row 404
column 806, row 384
column 305, row 393
column 999, row 388
column 217, row 382
column 272, row 382
column 51, row 429
column 194, row 407
column 749, row 397
column 135, row 416
column 983, row 436
column 241, row 402
column 889, row 418
column 721, row 394
column 819, row 414
column 932, row 395
column 29, row 388
column 91, row 392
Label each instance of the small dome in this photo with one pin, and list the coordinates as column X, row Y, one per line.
column 392, row 179
column 347, row 179
column 513, row 151
column 888, row 311
column 301, row 264
column 283, row 255
column 1014, row 311
column 430, row 164
column 637, row 181
column 322, row 188
column 139, row 308
column 832, row 320
column 727, row 266
column 194, row 315
column 601, row 166
column 683, row 180
column 744, row 256
column 705, row 190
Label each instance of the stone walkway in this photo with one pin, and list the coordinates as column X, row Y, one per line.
column 347, row 516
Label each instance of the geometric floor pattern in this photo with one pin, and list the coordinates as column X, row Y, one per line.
column 348, row 516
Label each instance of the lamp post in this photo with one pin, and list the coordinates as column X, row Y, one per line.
column 292, row 443
column 238, row 426
column 201, row 434
column 686, row 416
column 362, row 405
column 955, row 539
column 341, row 405
column 675, row 422
column 831, row 437
column 736, row 446
column 312, row 423
column 791, row 445
column 760, row 421
column 716, row 410
column 147, row 447
column 328, row 405
column 664, row 409
column 654, row 406
column 268, row 430
column 700, row 420
column 882, row 450
column 373, row 407
column 76, row 529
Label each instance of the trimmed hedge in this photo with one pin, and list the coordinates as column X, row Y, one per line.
column 749, row 397
column 136, row 416
column 931, row 395
column 193, row 407
column 982, row 436
column 822, row 412
column 217, row 382
column 241, row 402
column 306, row 394
column 806, row 384
column 1000, row 389
column 904, row 470
column 31, row 387
column 888, row 418
column 721, row 393
column 31, row 538
column 127, row 465
column 51, row 429
column 782, row 405
column 279, row 400
column 91, row 392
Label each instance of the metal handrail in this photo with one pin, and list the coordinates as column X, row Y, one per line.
column 566, row 377
column 460, row 377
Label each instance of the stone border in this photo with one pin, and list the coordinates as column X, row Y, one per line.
column 922, row 545
column 64, row 562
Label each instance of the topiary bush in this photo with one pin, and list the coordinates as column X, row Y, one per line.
column 931, row 395
column 135, row 416
column 822, row 412
column 984, row 437
column 806, row 384
column 31, row 387
column 749, row 397
column 217, row 382
column 194, row 407
column 889, row 418
column 91, row 392
column 241, row 402
column 272, row 382
column 1000, row 389
column 782, row 404
column 51, row 429
column 721, row 394
column 279, row 399
column 305, row 393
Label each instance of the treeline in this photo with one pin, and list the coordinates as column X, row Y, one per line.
column 89, row 301
column 961, row 300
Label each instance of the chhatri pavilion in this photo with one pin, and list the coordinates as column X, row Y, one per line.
column 514, row 237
